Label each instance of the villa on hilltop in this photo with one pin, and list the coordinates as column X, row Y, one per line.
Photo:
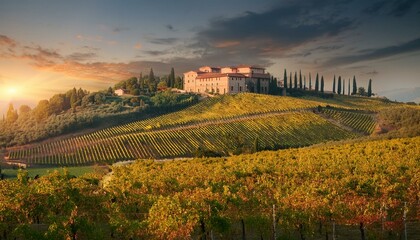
column 227, row 80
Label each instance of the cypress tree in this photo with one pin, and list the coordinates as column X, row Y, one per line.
column 348, row 88
column 290, row 80
column 141, row 82
column 316, row 83
column 322, row 84
column 304, row 82
column 334, row 85
column 285, row 79
column 256, row 146
column 300, row 79
column 295, row 82
column 354, row 86
column 369, row 91
column 151, row 76
column 310, row 82
column 339, row 85
column 171, row 79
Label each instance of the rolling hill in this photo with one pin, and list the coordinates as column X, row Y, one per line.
column 223, row 125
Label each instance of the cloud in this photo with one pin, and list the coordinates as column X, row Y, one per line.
column 78, row 56
column 227, row 44
column 90, row 49
column 283, row 26
column 396, row 8
column 96, row 38
column 274, row 33
column 155, row 52
column 375, row 7
column 7, row 41
column 170, row 27
column 402, row 7
column 373, row 54
column 120, row 29
column 164, row 41
column 40, row 57
column 371, row 73
column 138, row 46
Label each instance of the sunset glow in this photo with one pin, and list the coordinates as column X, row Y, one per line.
column 11, row 91
column 100, row 43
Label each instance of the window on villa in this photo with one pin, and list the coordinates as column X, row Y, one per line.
column 231, row 88
column 240, row 89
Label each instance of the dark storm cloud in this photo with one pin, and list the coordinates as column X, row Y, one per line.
column 402, row 7
column 274, row 32
column 367, row 55
column 396, row 8
column 164, row 41
column 282, row 27
column 375, row 7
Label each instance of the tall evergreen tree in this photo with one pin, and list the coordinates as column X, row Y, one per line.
column 256, row 146
column 310, row 82
column 322, row 84
column 304, row 82
column 300, row 79
column 290, row 80
column 369, row 91
column 316, row 83
column 178, row 82
column 141, row 82
column 272, row 87
column 348, row 88
column 110, row 92
column 285, row 79
column 334, row 85
column 151, row 76
column 354, row 86
column 295, row 82
column 339, row 85
column 171, row 78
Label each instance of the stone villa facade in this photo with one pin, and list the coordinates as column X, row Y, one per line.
column 227, row 80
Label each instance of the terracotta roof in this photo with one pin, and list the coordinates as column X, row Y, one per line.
column 214, row 75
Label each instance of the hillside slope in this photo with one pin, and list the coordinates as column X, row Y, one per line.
column 224, row 125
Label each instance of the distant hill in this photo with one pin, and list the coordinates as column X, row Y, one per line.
column 403, row 94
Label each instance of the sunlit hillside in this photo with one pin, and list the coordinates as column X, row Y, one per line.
column 223, row 125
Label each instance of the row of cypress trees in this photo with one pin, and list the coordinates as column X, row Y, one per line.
column 294, row 83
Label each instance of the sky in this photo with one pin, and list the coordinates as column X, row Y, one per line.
column 50, row 46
